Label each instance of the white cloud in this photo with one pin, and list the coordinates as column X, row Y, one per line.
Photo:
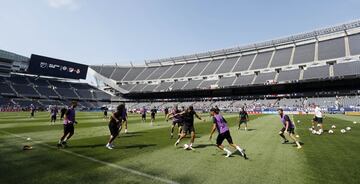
column 66, row 4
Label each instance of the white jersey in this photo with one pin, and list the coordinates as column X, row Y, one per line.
column 318, row 112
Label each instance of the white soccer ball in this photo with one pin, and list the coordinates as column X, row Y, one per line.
column 348, row 128
column 186, row 146
column 310, row 129
column 28, row 139
column 313, row 132
column 318, row 132
column 318, row 125
column 298, row 121
column 331, row 131
column 354, row 122
column 297, row 136
column 333, row 126
column 342, row 130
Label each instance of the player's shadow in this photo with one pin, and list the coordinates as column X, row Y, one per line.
column 249, row 129
column 88, row 146
column 203, row 146
column 139, row 146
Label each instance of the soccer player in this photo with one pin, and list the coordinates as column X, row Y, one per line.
column 318, row 118
column 221, row 126
column 166, row 112
column 288, row 127
column 62, row 112
column 53, row 114
column 243, row 117
column 176, row 119
column 69, row 121
column 143, row 114
column 115, row 125
column 188, row 119
column 32, row 110
column 106, row 112
column 153, row 112
column 124, row 119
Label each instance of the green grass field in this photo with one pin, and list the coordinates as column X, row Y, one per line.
column 147, row 154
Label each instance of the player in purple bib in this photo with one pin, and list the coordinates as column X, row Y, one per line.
column 124, row 119
column 288, row 127
column 221, row 126
column 69, row 121
column 176, row 119
column 53, row 114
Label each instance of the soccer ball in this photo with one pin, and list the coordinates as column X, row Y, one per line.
column 318, row 125
column 318, row 132
column 298, row 121
column 348, row 128
column 354, row 122
column 342, row 130
column 333, row 126
column 313, row 132
column 331, row 131
column 186, row 146
column 28, row 139
column 297, row 136
column 310, row 129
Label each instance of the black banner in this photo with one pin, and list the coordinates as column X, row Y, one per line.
column 41, row 65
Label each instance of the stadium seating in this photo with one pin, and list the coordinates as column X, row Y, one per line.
column 347, row 69
column 261, row 60
column 281, row 57
column 319, row 72
column 212, row 67
column 133, row 73
column 289, row 75
column 227, row 65
column 26, row 91
column 264, row 77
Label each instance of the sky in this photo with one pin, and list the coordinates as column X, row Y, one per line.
column 99, row 32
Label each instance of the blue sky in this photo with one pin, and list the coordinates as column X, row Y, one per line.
column 109, row 31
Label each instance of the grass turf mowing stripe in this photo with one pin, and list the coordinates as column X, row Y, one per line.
column 163, row 180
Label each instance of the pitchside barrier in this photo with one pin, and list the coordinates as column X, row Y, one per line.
column 352, row 113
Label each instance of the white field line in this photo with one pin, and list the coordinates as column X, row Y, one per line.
column 163, row 180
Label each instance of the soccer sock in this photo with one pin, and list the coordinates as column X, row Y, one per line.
column 65, row 139
column 226, row 150
column 238, row 148
column 282, row 135
column 177, row 142
column 190, row 145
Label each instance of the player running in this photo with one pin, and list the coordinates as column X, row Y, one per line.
column 166, row 112
column 176, row 119
column 115, row 125
column 221, row 126
column 288, row 127
column 143, row 114
column 32, row 110
column 243, row 118
column 69, row 121
column 53, row 114
column 188, row 119
column 318, row 118
column 153, row 113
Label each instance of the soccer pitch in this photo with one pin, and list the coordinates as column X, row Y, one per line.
column 147, row 154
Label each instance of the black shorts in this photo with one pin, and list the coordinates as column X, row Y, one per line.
column 221, row 137
column 188, row 128
column 243, row 121
column 105, row 113
column 68, row 128
column 318, row 120
column 152, row 116
column 114, row 129
column 143, row 116
column 53, row 117
column 290, row 130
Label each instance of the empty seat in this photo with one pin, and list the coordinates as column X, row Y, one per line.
column 169, row 73
column 304, row 53
column 354, row 44
column 244, row 80
column 133, row 73
column 27, row 91
column 212, row 67
column 192, row 84
column 347, row 69
column 227, row 65
column 206, row 84
column 281, row 57
column 198, row 69
column 330, row 49
column 319, row 72
column 146, row 73
column 119, row 73
column 243, row 63
column 264, row 77
column 289, row 75
column 262, row 60
column 160, row 71
column 226, row 81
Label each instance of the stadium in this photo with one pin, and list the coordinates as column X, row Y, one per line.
column 297, row 74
